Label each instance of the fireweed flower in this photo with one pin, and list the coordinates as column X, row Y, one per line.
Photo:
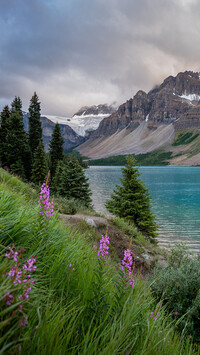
column 46, row 206
column 104, row 247
column 154, row 315
column 127, row 263
column 21, row 279
column 70, row 270
column 12, row 255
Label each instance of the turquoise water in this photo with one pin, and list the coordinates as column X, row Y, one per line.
column 175, row 201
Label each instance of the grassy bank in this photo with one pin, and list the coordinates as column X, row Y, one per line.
column 77, row 305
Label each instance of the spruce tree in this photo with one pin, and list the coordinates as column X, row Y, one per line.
column 56, row 149
column 131, row 200
column 57, row 183
column 18, row 153
column 40, row 167
column 4, row 119
column 16, row 105
column 70, row 181
column 35, row 127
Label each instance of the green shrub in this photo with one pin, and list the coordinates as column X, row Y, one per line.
column 71, row 206
column 65, row 206
column 178, row 286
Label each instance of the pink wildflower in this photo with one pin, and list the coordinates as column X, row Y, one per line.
column 70, row 270
column 27, row 292
column 22, row 322
column 12, row 254
column 9, row 299
column 30, row 265
column 127, row 263
column 154, row 316
column 104, row 247
column 46, row 206
column 20, row 279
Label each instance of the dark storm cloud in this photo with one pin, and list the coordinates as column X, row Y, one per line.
column 75, row 52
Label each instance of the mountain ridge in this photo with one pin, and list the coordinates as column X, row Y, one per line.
column 148, row 121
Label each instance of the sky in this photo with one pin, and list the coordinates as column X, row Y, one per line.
column 88, row 52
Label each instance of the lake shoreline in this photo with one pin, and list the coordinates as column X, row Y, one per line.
column 172, row 188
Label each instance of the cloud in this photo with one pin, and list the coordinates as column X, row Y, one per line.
column 76, row 53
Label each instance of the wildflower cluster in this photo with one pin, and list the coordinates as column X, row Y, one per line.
column 104, row 247
column 70, row 270
column 46, row 206
column 21, row 279
column 127, row 263
column 154, row 315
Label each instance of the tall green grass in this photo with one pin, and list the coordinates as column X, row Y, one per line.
column 86, row 311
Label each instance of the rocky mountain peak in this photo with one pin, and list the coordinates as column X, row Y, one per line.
column 165, row 104
column 102, row 109
column 191, row 74
column 185, row 83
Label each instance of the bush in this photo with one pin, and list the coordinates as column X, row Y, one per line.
column 178, row 286
column 65, row 206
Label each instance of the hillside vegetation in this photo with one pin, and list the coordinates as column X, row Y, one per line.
column 77, row 303
column 155, row 158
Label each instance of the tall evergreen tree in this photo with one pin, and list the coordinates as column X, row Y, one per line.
column 70, row 181
column 40, row 167
column 58, row 180
column 16, row 105
column 131, row 200
column 56, row 148
column 18, row 153
column 4, row 119
column 35, row 127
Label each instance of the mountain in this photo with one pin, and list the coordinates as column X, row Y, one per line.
column 86, row 119
column 153, row 120
column 71, row 138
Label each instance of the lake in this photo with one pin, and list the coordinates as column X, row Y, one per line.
column 175, row 200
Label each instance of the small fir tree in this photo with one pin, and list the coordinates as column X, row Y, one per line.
column 56, row 149
column 71, row 182
column 40, row 167
column 4, row 128
column 131, row 200
column 35, row 126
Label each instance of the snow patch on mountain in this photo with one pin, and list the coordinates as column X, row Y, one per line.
column 80, row 124
column 190, row 97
